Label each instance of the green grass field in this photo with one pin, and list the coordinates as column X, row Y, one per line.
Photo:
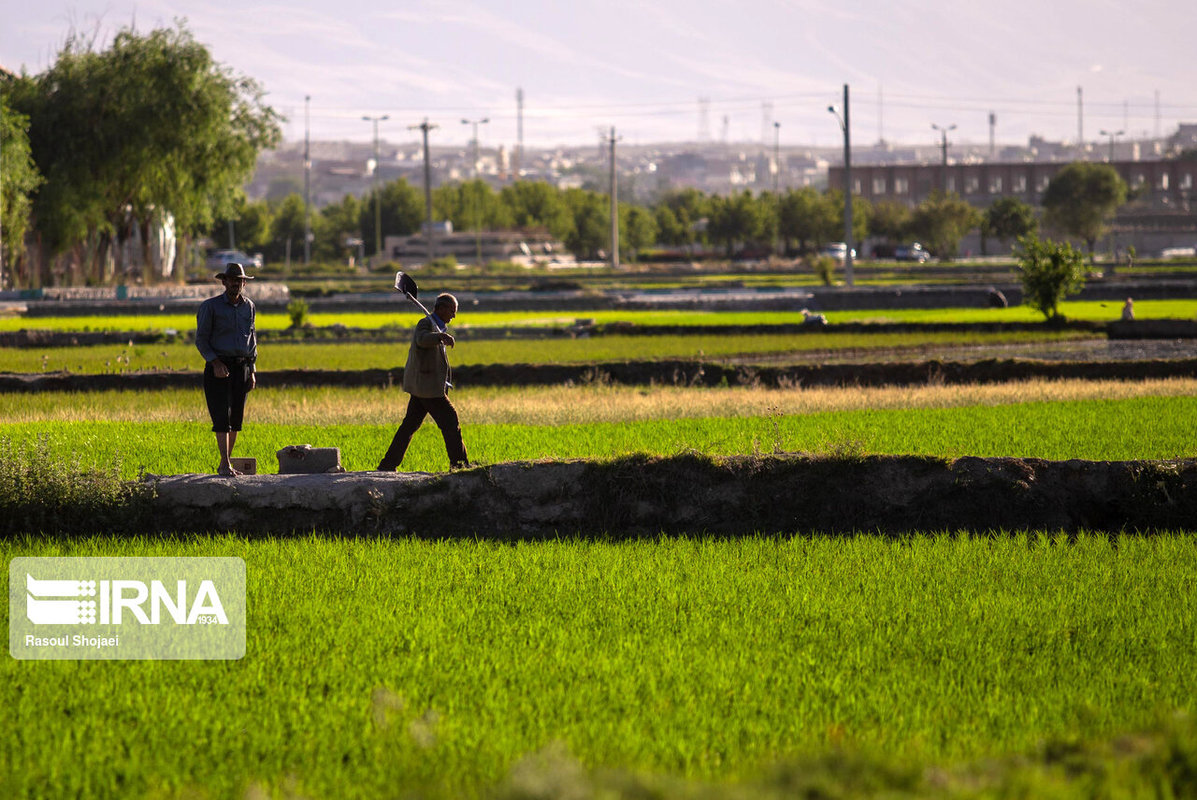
column 1131, row 428
column 358, row 355
column 402, row 318
column 405, row 668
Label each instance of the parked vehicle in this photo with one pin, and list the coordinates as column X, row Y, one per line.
column 837, row 250
column 220, row 259
column 911, row 252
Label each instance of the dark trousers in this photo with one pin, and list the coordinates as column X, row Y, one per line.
column 226, row 396
column 445, row 416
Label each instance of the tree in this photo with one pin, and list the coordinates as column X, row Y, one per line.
column 1082, row 198
column 1050, row 272
column 336, row 225
column 690, row 211
column 589, row 222
column 861, row 211
column 151, row 126
column 809, row 218
column 402, row 210
column 890, row 221
column 638, row 230
column 286, row 230
column 251, row 222
column 536, row 204
column 18, row 180
column 472, row 205
column 1008, row 218
column 738, row 219
column 941, row 221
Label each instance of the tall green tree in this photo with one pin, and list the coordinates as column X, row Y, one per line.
column 685, row 225
column 286, row 231
column 941, row 221
column 536, row 204
column 402, row 211
column 738, row 220
column 19, row 178
column 589, row 229
column 152, row 125
column 1081, row 199
column 1008, row 218
column 637, row 230
column 472, row 205
column 335, row 227
column 809, row 218
column 890, row 221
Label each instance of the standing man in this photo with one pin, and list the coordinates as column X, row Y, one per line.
column 426, row 379
column 225, row 337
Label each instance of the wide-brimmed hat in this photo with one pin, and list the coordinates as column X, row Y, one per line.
column 233, row 270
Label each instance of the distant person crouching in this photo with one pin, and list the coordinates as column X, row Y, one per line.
column 225, row 336
column 1128, row 310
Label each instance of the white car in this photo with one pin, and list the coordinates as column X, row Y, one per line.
column 220, row 259
column 837, row 250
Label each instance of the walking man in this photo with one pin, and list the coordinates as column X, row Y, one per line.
column 225, row 337
column 426, row 378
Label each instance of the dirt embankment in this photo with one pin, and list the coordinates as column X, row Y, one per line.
column 693, row 495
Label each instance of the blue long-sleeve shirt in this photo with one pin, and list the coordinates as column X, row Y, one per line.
column 224, row 329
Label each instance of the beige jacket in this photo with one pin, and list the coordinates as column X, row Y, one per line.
column 427, row 371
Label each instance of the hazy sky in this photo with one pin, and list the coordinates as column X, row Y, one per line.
column 642, row 66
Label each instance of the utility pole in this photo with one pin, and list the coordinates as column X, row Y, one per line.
column 425, row 127
column 307, row 181
column 943, row 177
column 519, row 133
column 776, row 179
column 473, row 195
column 1080, row 119
column 992, row 142
column 614, row 203
column 377, row 193
column 1111, row 134
column 846, row 126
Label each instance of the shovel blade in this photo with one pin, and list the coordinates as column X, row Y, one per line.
column 405, row 284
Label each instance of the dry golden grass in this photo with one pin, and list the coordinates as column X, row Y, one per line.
column 560, row 405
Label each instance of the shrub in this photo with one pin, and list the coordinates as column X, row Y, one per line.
column 41, row 493
column 297, row 310
column 1051, row 271
column 824, row 267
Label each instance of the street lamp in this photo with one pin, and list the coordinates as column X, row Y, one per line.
column 377, row 196
column 846, row 127
column 1112, row 135
column 473, row 194
column 943, row 132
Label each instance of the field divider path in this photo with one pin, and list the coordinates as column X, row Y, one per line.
column 693, row 495
column 645, row 373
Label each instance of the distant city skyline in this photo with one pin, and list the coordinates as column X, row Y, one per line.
column 643, row 66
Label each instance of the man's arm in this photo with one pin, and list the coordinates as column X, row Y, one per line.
column 203, row 332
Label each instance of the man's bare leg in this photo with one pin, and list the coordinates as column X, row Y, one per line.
column 224, row 443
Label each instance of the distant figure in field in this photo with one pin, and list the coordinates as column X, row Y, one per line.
column 226, row 338
column 811, row 318
column 426, row 379
column 997, row 299
column 1128, row 310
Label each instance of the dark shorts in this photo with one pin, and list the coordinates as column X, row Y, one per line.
column 226, row 396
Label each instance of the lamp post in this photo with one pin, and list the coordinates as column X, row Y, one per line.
column 377, row 196
column 845, row 126
column 943, row 132
column 1112, row 135
column 473, row 195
